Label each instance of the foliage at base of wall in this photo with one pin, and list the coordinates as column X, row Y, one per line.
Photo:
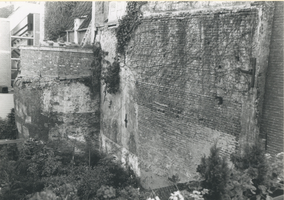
column 8, row 130
column 128, row 24
column 265, row 171
column 252, row 176
column 215, row 172
column 41, row 168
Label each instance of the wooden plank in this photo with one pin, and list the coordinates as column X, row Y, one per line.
column 11, row 141
column 15, row 58
column 22, row 37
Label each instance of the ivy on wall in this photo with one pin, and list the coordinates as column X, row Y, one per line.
column 97, row 66
column 128, row 24
column 112, row 78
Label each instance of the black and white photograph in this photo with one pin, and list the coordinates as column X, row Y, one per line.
column 141, row 100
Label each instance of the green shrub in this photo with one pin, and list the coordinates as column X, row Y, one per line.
column 105, row 173
column 239, row 185
column 275, row 170
column 106, row 192
column 263, row 174
column 214, row 171
column 112, row 78
column 8, row 128
column 40, row 167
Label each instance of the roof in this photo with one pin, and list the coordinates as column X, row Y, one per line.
column 83, row 8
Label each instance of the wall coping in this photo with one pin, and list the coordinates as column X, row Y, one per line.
column 59, row 49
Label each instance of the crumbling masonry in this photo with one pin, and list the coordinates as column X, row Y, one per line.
column 193, row 74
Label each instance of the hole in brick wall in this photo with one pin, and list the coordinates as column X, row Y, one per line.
column 164, row 55
column 208, row 42
column 237, row 58
column 219, row 66
column 125, row 120
column 4, row 90
column 220, row 100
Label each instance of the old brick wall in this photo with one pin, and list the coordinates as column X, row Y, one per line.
column 185, row 84
column 53, row 96
column 272, row 118
column 189, row 91
column 65, row 63
column 118, row 111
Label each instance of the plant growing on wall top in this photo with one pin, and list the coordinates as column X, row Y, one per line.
column 112, row 78
column 215, row 172
column 128, row 24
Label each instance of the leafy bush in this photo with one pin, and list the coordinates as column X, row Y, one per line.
column 25, row 174
column 253, row 175
column 132, row 193
column 8, row 128
column 215, row 173
column 112, row 78
column 41, row 167
column 239, row 185
column 106, row 192
column 254, row 163
column 276, row 173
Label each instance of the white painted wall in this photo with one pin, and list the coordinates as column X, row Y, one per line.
column 5, row 53
column 116, row 10
column 6, row 104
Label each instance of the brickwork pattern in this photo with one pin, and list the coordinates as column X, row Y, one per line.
column 56, row 62
column 271, row 126
column 189, row 88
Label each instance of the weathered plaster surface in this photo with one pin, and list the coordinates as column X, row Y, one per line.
column 54, row 99
column 182, row 86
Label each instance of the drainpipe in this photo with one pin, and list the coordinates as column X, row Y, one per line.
column 93, row 27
